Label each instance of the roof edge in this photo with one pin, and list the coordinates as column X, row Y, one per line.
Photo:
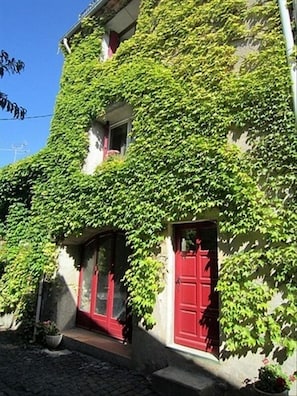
column 87, row 13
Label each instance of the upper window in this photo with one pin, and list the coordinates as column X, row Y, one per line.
column 120, row 28
column 119, row 124
column 119, row 137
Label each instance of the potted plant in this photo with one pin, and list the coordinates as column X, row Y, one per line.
column 272, row 380
column 49, row 333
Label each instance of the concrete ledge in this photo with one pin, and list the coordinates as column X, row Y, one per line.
column 176, row 382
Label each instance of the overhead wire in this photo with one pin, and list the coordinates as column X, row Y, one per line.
column 26, row 118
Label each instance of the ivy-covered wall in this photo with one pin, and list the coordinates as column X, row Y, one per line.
column 195, row 73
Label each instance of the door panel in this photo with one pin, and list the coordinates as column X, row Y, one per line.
column 188, row 326
column 196, row 302
column 87, row 280
column 118, row 271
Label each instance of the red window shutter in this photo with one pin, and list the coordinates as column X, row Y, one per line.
column 114, row 42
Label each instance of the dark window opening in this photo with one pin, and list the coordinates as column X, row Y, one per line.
column 118, row 138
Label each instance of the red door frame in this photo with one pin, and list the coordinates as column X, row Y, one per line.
column 102, row 322
column 92, row 320
column 196, row 301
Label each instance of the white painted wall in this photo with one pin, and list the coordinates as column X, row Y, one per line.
column 95, row 153
column 104, row 47
column 67, row 286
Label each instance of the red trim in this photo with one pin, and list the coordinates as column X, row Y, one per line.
column 105, row 140
column 113, row 44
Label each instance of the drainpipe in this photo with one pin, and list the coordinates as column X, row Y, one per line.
column 66, row 45
column 38, row 306
column 289, row 40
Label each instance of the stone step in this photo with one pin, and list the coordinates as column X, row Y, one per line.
column 173, row 381
column 98, row 346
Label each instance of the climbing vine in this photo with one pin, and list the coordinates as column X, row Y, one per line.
column 195, row 74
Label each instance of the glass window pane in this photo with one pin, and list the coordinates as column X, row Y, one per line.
column 208, row 238
column 188, row 240
column 103, row 265
column 118, row 138
column 120, row 294
column 87, row 273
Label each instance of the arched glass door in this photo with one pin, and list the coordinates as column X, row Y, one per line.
column 102, row 294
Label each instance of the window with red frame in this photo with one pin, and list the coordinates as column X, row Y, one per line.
column 120, row 28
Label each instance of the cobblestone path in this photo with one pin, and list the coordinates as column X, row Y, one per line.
column 31, row 370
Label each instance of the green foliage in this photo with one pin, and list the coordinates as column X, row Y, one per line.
column 27, row 255
column 251, row 284
column 190, row 88
column 144, row 280
column 10, row 66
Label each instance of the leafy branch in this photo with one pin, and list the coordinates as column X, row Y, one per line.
column 10, row 65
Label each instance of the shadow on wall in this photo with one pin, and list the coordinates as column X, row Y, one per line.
column 266, row 274
column 57, row 303
column 148, row 353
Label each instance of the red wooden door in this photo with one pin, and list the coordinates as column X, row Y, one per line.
column 196, row 301
column 102, row 296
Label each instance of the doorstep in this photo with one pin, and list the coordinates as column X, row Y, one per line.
column 98, row 346
column 175, row 381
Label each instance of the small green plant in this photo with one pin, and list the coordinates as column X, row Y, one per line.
column 47, row 327
column 273, row 379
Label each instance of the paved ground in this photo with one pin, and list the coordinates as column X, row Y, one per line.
column 33, row 370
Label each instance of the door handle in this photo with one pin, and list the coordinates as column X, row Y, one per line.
column 177, row 282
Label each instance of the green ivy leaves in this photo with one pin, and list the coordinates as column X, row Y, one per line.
column 195, row 73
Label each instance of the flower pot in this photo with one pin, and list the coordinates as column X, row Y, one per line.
column 53, row 341
column 260, row 392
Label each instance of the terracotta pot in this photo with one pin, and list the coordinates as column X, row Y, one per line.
column 53, row 341
column 260, row 392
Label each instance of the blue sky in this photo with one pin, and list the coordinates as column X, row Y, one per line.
column 31, row 31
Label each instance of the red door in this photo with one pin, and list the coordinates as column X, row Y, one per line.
column 102, row 295
column 196, row 272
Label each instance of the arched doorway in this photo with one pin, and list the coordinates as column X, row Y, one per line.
column 102, row 297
